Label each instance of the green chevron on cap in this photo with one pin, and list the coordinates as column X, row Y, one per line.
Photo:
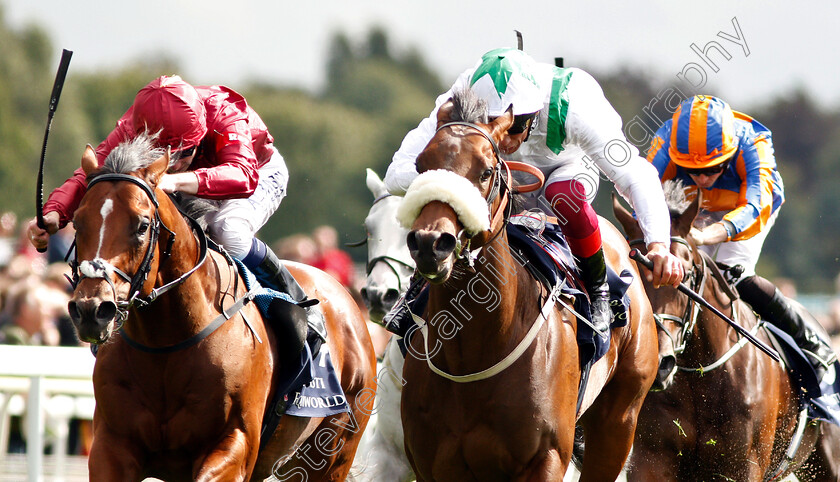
column 500, row 65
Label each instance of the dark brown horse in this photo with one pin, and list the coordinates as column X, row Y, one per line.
column 725, row 410
column 189, row 405
column 496, row 398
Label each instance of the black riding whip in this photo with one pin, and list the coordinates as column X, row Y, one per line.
column 638, row 256
column 56, row 94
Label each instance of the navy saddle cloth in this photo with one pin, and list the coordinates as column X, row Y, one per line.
column 820, row 397
column 309, row 388
column 539, row 244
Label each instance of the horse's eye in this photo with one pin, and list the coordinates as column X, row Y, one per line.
column 143, row 227
column 485, row 176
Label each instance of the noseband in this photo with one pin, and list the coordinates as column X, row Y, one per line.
column 100, row 269
column 501, row 185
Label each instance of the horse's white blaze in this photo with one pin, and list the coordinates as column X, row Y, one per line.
column 107, row 208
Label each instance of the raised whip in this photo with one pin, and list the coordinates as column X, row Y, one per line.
column 56, row 94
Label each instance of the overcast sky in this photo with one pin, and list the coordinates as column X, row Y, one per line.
column 773, row 48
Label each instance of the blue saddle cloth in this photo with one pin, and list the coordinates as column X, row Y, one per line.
column 820, row 397
column 311, row 387
column 541, row 244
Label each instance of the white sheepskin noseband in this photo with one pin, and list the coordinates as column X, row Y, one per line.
column 452, row 189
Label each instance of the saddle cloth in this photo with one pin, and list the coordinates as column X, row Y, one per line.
column 309, row 388
column 820, row 397
column 540, row 245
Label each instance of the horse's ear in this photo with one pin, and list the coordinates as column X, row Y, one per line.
column 501, row 124
column 374, row 183
column 444, row 113
column 158, row 168
column 625, row 217
column 89, row 162
column 686, row 219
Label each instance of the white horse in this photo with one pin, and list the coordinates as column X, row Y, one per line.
column 381, row 453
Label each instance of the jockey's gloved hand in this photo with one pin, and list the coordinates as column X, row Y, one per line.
column 40, row 237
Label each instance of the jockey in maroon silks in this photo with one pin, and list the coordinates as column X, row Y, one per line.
column 222, row 152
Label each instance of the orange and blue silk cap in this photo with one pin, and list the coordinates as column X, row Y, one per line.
column 702, row 133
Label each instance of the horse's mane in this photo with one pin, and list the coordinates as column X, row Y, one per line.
column 137, row 153
column 468, row 107
column 196, row 208
column 132, row 155
column 675, row 197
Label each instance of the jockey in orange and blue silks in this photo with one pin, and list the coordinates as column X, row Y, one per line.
column 750, row 190
column 727, row 158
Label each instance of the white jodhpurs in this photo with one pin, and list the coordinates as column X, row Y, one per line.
column 237, row 221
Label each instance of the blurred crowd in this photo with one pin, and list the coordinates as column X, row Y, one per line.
column 33, row 289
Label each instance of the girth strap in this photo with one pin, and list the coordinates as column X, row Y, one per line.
column 225, row 315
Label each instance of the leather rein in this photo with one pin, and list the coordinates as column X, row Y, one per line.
column 503, row 186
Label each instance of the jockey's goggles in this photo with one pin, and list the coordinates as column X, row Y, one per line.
column 708, row 171
column 521, row 123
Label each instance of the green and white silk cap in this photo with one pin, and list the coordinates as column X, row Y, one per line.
column 505, row 77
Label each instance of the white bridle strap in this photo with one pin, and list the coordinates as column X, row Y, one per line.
column 506, row 361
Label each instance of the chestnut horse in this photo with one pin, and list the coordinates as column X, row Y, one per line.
column 492, row 378
column 183, row 386
column 725, row 410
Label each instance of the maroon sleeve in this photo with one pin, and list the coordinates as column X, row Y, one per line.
column 234, row 170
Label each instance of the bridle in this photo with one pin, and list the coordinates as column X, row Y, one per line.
column 697, row 282
column 100, row 269
column 389, row 261
column 501, row 187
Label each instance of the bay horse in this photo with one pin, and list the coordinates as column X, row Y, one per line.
column 492, row 378
column 381, row 454
column 183, row 386
column 724, row 410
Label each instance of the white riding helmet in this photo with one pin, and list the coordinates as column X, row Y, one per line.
column 505, row 77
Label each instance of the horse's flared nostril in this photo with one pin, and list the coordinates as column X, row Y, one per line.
column 91, row 310
column 411, row 241
column 106, row 311
column 73, row 310
column 391, row 296
column 665, row 372
column 445, row 245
